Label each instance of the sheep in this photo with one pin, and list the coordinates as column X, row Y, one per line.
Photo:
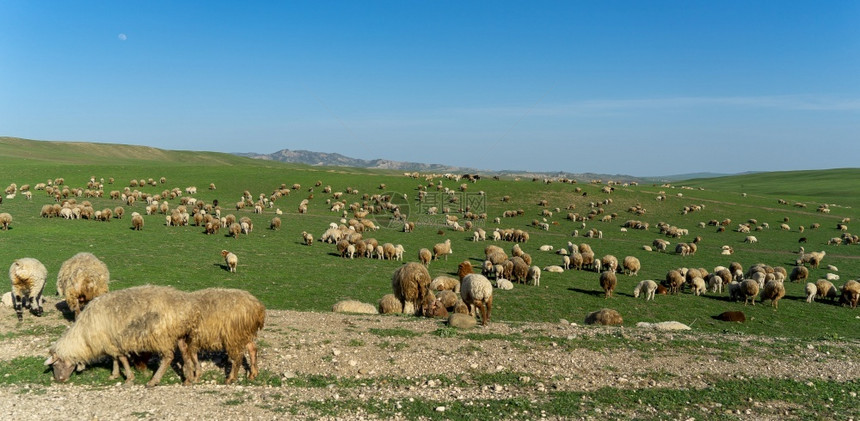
column 610, row 262
column 502, row 283
column 715, row 283
column 28, row 280
column 674, row 281
column 554, row 269
column 410, row 283
column 649, row 286
column 811, row 292
column 826, row 289
column 389, row 304
column 442, row 249
column 832, row 268
column 5, row 220
column 80, row 279
column 445, row 283
column 814, row 258
column 135, row 320
column 631, row 265
column 424, row 256
column 545, row 247
column 229, row 321
column 799, row 274
column 749, row 289
column 606, row 317
column 534, row 275
column 275, row 225
column 850, row 293
column 478, row 292
column 831, row 277
column 448, row 299
column 731, row 316
column 698, row 286
column 773, row 290
column 519, row 269
column 352, row 306
column 608, row 281
column 231, row 259
column 751, row 239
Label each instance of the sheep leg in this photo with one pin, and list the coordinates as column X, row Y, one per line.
column 235, row 361
column 129, row 375
column 114, row 373
column 189, row 364
column 252, row 355
column 18, row 305
column 166, row 359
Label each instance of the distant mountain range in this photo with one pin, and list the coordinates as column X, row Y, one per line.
column 338, row 160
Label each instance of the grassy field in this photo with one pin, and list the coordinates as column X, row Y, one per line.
column 285, row 274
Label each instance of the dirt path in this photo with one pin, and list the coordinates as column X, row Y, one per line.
column 394, row 359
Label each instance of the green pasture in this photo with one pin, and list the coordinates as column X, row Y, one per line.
column 285, row 274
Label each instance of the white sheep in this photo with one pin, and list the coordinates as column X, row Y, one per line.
column 477, row 291
column 698, row 286
column 751, row 239
column 648, row 286
column 534, row 275
column 231, row 259
column 811, row 292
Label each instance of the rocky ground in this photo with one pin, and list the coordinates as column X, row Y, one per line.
column 394, row 360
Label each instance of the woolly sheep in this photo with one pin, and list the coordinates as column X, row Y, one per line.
column 231, row 259
column 606, row 317
column 609, row 262
column 826, row 289
column 442, row 249
column 799, row 274
column 502, row 283
column 698, row 285
column 445, row 283
column 715, row 283
column 674, row 281
column 749, row 289
column 5, row 220
column 534, row 275
column 774, row 291
column 608, row 281
column 831, row 277
column 631, row 265
column 28, row 277
column 545, row 247
column 850, row 293
column 134, row 320
column 751, row 239
column 463, row 269
column 80, row 279
column 811, row 292
column 478, row 292
column 424, row 256
column 352, row 306
column 410, row 283
column 229, row 321
column 554, row 269
column 648, row 286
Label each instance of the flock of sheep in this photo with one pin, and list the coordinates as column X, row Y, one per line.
column 139, row 320
column 162, row 319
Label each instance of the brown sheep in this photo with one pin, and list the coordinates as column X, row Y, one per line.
column 774, row 291
column 674, row 281
column 229, row 321
column 608, row 281
column 464, row 268
column 749, row 289
column 850, row 293
column 80, row 279
column 424, row 256
column 410, row 283
column 606, row 317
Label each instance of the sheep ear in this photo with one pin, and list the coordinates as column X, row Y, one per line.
column 50, row 360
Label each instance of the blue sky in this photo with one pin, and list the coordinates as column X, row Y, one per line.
column 630, row 87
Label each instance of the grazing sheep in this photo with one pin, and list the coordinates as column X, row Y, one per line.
column 850, row 294
column 610, row 262
column 751, row 239
column 441, row 249
column 28, row 280
column 410, row 283
column 80, row 279
column 631, row 265
column 749, row 289
column 5, row 220
column 698, row 286
column 424, row 256
column 811, row 292
column 445, row 283
column 534, row 275
column 229, row 321
column 231, row 259
column 606, row 317
column 715, row 283
column 136, row 221
column 826, row 289
column 731, row 316
column 649, row 286
column 608, row 281
column 275, row 225
column 799, row 274
column 352, row 306
column 477, row 291
column 674, row 281
column 135, row 320
column 773, row 290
